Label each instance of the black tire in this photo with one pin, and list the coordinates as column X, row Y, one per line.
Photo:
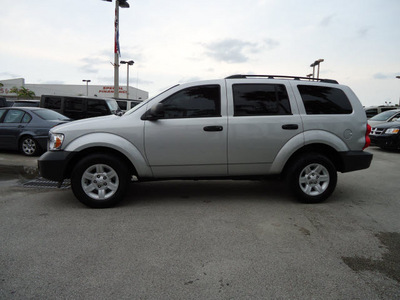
column 29, row 146
column 312, row 178
column 99, row 180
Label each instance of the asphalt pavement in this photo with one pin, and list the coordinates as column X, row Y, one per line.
column 202, row 239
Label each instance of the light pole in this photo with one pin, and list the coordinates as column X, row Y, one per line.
column 316, row 63
column 87, row 86
column 398, row 77
column 118, row 4
column 128, row 63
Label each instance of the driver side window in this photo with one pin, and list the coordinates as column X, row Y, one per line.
column 194, row 102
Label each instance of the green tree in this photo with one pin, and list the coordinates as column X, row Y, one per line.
column 23, row 92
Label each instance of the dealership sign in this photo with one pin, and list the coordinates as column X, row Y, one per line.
column 110, row 90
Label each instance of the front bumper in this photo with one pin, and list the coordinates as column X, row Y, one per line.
column 54, row 165
column 354, row 160
column 389, row 141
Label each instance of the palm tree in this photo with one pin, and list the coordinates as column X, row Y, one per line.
column 23, row 92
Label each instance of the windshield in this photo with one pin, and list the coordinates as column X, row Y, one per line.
column 384, row 116
column 47, row 114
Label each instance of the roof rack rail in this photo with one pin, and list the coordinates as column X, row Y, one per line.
column 239, row 76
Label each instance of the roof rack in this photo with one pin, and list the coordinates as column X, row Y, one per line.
column 239, row 76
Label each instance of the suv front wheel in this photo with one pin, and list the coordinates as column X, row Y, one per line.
column 312, row 178
column 99, row 180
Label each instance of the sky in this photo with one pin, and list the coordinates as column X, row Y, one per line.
column 178, row 41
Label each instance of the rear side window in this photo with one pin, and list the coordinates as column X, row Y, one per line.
column 371, row 112
column 260, row 100
column 320, row 100
column 52, row 102
column 73, row 104
column 97, row 107
column 14, row 116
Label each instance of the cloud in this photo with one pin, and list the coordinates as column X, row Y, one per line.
column 325, row 22
column 236, row 51
column 384, row 75
column 362, row 32
column 8, row 75
column 88, row 66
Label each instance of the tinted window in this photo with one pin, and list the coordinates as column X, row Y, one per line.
column 260, row 100
column 371, row 112
column 27, row 118
column 324, row 100
column 1, row 112
column 194, row 102
column 74, row 104
column 52, row 102
column 122, row 104
column 14, row 116
column 97, row 107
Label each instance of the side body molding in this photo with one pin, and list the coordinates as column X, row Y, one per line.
column 114, row 142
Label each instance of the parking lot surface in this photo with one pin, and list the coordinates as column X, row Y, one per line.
column 202, row 239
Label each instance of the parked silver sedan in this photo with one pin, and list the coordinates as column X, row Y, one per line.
column 26, row 128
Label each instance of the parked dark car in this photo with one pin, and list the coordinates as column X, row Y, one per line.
column 386, row 135
column 77, row 107
column 5, row 103
column 27, row 128
column 26, row 103
column 383, row 117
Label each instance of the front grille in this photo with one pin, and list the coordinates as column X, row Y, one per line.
column 376, row 131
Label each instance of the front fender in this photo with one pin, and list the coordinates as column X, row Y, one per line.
column 114, row 142
column 304, row 139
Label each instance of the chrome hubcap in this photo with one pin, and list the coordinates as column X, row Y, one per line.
column 100, row 182
column 314, row 179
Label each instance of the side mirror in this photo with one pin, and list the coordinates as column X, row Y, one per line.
column 154, row 113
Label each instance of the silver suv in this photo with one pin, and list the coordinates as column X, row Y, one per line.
column 243, row 126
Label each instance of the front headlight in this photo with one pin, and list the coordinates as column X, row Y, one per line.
column 392, row 130
column 56, row 140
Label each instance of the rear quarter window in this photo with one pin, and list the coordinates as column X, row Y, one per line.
column 52, row 102
column 320, row 100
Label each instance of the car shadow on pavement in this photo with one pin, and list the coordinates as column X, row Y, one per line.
column 205, row 191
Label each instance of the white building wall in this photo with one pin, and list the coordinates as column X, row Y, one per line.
column 102, row 91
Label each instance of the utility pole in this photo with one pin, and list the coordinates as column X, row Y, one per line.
column 117, row 53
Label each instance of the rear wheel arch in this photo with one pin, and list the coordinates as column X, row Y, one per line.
column 322, row 149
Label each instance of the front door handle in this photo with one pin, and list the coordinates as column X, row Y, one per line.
column 290, row 126
column 213, row 128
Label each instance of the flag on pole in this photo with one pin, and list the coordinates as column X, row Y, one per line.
column 116, row 42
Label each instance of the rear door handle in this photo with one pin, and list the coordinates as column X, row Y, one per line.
column 213, row 128
column 290, row 126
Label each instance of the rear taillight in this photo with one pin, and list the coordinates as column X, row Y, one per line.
column 367, row 139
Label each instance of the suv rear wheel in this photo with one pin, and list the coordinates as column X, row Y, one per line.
column 312, row 178
column 99, row 180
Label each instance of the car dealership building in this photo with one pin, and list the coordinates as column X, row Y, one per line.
column 102, row 91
